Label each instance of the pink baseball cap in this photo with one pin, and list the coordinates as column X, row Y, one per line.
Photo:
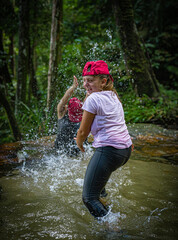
column 96, row 68
column 75, row 110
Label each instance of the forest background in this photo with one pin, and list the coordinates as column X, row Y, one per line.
column 44, row 43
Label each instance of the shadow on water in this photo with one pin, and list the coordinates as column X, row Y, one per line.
column 41, row 191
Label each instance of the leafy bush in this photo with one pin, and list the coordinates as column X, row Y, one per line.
column 143, row 109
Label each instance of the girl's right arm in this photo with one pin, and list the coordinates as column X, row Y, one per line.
column 85, row 128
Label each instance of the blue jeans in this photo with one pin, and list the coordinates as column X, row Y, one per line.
column 104, row 161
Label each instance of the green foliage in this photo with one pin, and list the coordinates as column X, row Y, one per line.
column 88, row 18
column 143, row 109
column 160, row 37
column 8, row 17
column 34, row 120
column 89, row 33
column 5, row 132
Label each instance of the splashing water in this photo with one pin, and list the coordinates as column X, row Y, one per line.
column 42, row 199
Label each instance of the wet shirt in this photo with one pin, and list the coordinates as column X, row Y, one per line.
column 66, row 132
column 108, row 127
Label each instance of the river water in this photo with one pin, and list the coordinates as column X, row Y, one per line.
column 41, row 197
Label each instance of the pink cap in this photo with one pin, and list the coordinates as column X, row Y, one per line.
column 96, row 68
column 75, row 110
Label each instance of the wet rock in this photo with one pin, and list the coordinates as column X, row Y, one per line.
column 19, row 151
column 150, row 142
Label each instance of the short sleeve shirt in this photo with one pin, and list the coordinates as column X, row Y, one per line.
column 108, row 127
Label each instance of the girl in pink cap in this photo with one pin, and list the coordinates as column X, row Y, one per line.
column 103, row 116
column 69, row 118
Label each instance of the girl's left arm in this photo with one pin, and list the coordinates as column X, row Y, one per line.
column 84, row 130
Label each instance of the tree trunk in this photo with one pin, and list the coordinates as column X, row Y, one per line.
column 11, row 55
column 137, row 64
column 33, row 85
column 23, row 50
column 55, row 53
column 11, row 117
column 5, row 78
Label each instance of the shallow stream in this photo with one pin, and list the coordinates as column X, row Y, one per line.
column 41, row 197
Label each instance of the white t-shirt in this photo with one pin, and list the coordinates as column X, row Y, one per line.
column 108, row 127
